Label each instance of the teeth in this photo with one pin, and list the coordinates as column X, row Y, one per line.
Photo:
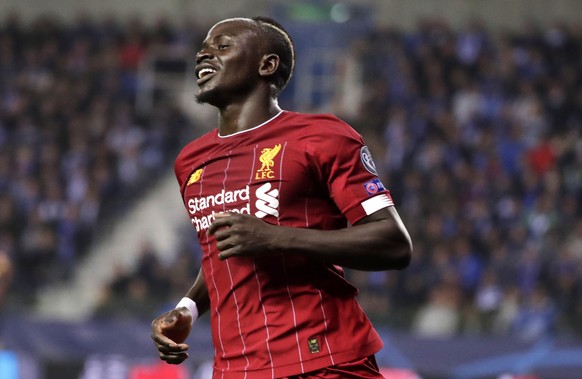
column 205, row 71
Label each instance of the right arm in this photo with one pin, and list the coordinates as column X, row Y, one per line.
column 179, row 319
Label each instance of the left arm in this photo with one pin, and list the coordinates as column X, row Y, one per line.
column 377, row 242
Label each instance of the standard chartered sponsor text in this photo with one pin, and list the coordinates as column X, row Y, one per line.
column 224, row 198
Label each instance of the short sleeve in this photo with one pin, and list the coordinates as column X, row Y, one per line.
column 344, row 163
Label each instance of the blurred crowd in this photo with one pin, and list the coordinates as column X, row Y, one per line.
column 153, row 285
column 73, row 147
column 476, row 133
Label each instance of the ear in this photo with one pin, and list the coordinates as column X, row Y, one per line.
column 269, row 64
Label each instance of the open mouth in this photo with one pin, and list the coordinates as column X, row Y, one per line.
column 204, row 74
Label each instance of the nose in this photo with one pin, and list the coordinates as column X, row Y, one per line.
column 202, row 55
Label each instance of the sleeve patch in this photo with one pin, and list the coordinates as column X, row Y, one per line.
column 367, row 161
column 374, row 186
column 376, row 203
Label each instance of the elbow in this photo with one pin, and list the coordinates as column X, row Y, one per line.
column 401, row 254
column 403, row 258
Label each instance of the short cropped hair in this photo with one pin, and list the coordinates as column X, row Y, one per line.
column 280, row 43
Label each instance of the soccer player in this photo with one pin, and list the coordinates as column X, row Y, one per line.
column 280, row 201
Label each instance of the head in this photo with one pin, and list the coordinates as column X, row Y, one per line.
column 240, row 55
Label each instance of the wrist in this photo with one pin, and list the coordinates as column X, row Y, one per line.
column 280, row 240
column 190, row 305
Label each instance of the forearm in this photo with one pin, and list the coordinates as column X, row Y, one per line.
column 199, row 294
column 380, row 243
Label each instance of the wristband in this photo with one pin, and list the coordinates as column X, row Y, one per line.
column 191, row 305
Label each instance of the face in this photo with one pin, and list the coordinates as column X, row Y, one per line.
column 227, row 65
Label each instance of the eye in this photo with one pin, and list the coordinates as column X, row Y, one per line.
column 222, row 47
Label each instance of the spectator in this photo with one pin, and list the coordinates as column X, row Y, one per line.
column 439, row 317
column 71, row 140
column 535, row 317
column 487, row 122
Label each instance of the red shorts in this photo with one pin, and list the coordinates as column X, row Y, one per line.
column 365, row 368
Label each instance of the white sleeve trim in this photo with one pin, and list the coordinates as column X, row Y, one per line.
column 376, row 203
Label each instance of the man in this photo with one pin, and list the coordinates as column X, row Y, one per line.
column 270, row 194
column 6, row 275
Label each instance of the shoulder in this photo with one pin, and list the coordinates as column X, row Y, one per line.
column 201, row 143
column 322, row 126
column 193, row 153
column 317, row 118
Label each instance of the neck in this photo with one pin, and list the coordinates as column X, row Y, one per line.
column 234, row 118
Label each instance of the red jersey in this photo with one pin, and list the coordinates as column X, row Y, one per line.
column 281, row 315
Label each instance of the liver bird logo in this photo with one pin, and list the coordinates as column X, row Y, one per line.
column 266, row 158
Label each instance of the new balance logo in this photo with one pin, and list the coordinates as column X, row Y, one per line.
column 267, row 201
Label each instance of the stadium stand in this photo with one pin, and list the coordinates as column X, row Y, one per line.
column 476, row 133
column 481, row 148
column 75, row 153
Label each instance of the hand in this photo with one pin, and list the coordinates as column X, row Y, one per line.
column 243, row 235
column 169, row 332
